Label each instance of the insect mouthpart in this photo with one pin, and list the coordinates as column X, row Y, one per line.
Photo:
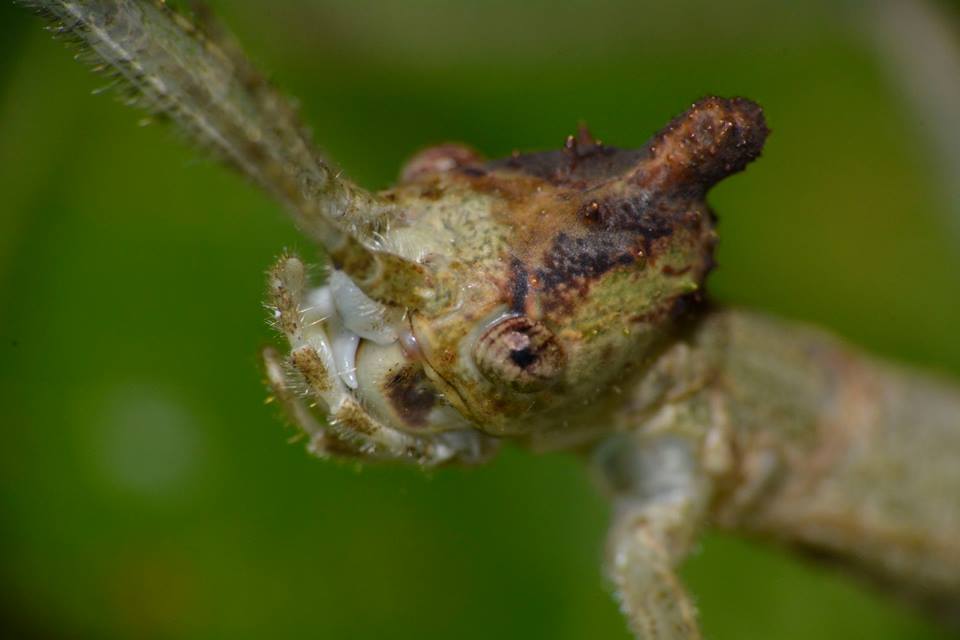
column 350, row 360
column 347, row 315
column 330, row 322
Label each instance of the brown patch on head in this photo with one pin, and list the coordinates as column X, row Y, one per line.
column 411, row 395
column 579, row 163
column 577, row 213
column 641, row 211
column 518, row 285
column 631, row 214
column 572, row 263
column 622, row 230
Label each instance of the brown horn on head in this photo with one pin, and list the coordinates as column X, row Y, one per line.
column 712, row 139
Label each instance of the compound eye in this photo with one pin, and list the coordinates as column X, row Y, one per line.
column 520, row 353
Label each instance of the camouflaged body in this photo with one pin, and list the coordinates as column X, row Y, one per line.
column 601, row 246
column 543, row 297
column 477, row 298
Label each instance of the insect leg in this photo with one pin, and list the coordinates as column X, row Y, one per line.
column 659, row 498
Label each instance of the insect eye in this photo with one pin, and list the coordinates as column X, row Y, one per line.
column 519, row 353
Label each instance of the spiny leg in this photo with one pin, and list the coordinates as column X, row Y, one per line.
column 660, row 499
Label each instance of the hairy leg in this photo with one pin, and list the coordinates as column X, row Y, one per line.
column 660, row 495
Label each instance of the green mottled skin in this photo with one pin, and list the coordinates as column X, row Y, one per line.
column 555, row 299
column 479, row 229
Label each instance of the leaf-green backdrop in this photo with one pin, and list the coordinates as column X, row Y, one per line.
column 146, row 490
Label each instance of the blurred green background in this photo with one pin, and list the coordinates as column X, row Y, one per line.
column 146, row 490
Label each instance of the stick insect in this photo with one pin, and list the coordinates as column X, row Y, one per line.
column 556, row 300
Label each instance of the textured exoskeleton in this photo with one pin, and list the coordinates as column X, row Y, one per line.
column 556, row 299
